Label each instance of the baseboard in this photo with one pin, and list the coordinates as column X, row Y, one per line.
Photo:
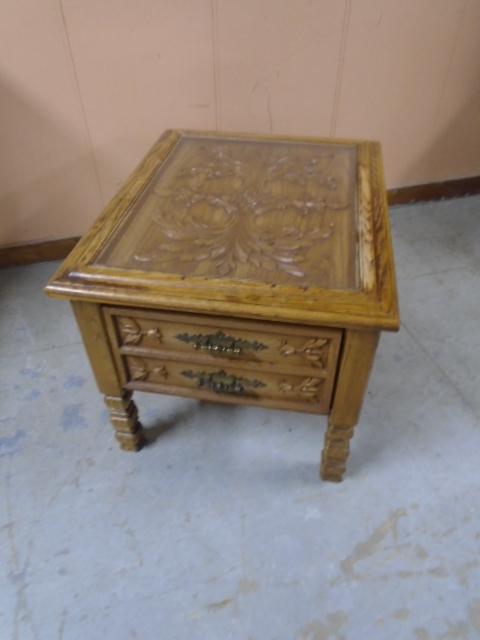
column 59, row 249
column 31, row 252
column 435, row 191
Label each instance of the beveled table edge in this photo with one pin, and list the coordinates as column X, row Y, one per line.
column 375, row 305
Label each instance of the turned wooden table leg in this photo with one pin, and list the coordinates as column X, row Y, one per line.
column 122, row 409
column 124, row 418
column 335, row 451
column 356, row 362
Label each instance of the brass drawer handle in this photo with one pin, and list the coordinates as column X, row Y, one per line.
column 219, row 343
column 222, row 382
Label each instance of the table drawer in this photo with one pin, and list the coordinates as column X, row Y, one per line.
column 228, row 384
column 311, row 349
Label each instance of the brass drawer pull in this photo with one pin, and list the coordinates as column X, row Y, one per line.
column 219, row 343
column 222, row 382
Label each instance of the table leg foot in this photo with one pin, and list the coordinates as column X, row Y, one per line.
column 124, row 418
column 335, row 452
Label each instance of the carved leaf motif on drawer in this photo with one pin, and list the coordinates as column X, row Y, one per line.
column 314, row 350
column 133, row 334
column 141, row 371
column 308, row 388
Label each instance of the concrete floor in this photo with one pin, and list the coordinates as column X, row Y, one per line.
column 220, row 529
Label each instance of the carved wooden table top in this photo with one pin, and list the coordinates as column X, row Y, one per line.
column 212, row 221
column 265, row 212
column 253, row 228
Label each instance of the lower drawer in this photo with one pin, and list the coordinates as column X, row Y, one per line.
column 245, row 385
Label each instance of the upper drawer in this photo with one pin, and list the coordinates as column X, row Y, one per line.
column 215, row 338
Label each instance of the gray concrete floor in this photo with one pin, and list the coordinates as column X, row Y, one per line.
column 220, row 529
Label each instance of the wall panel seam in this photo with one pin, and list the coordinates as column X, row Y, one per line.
column 449, row 65
column 81, row 101
column 216, row 63
column 340, row 65
column 446, row 79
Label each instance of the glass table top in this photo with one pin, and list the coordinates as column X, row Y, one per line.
column 274, row 212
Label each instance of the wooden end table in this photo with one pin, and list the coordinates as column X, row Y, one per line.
column 243, row 269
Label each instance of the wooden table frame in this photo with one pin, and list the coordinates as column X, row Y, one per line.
column 361, row 314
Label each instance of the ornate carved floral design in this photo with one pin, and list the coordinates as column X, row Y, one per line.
column 314, row 350
column 213, row 213
column 132, row 334
column 140, row 370
column 308, row 388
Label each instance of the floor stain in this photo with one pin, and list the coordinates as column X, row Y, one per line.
column 63, row 621
column 462, row 632
column 244, row 587
column 329, row 630
column 217, row 606
column 133, row 544
column 421, row 552
column 73, row 418
column 18, row 574
column 33, row 394
column 401, row 614
column 448, row 532
column 438, row 572
column 364, row 550
column 247, row 586
column 474, row 614
column 32, row 374
column 314, row 496
column 12, row 445
column 73, row 381
column 457, row 631
column 435, row 572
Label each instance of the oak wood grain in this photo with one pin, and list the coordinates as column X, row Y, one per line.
column 263, row 211
column 122, row 409
column 240, row 269
column 287, row 347
column 310, row 298
column 356, row 361
column 248, row 386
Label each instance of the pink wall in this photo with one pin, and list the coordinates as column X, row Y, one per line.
column 86, row 86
